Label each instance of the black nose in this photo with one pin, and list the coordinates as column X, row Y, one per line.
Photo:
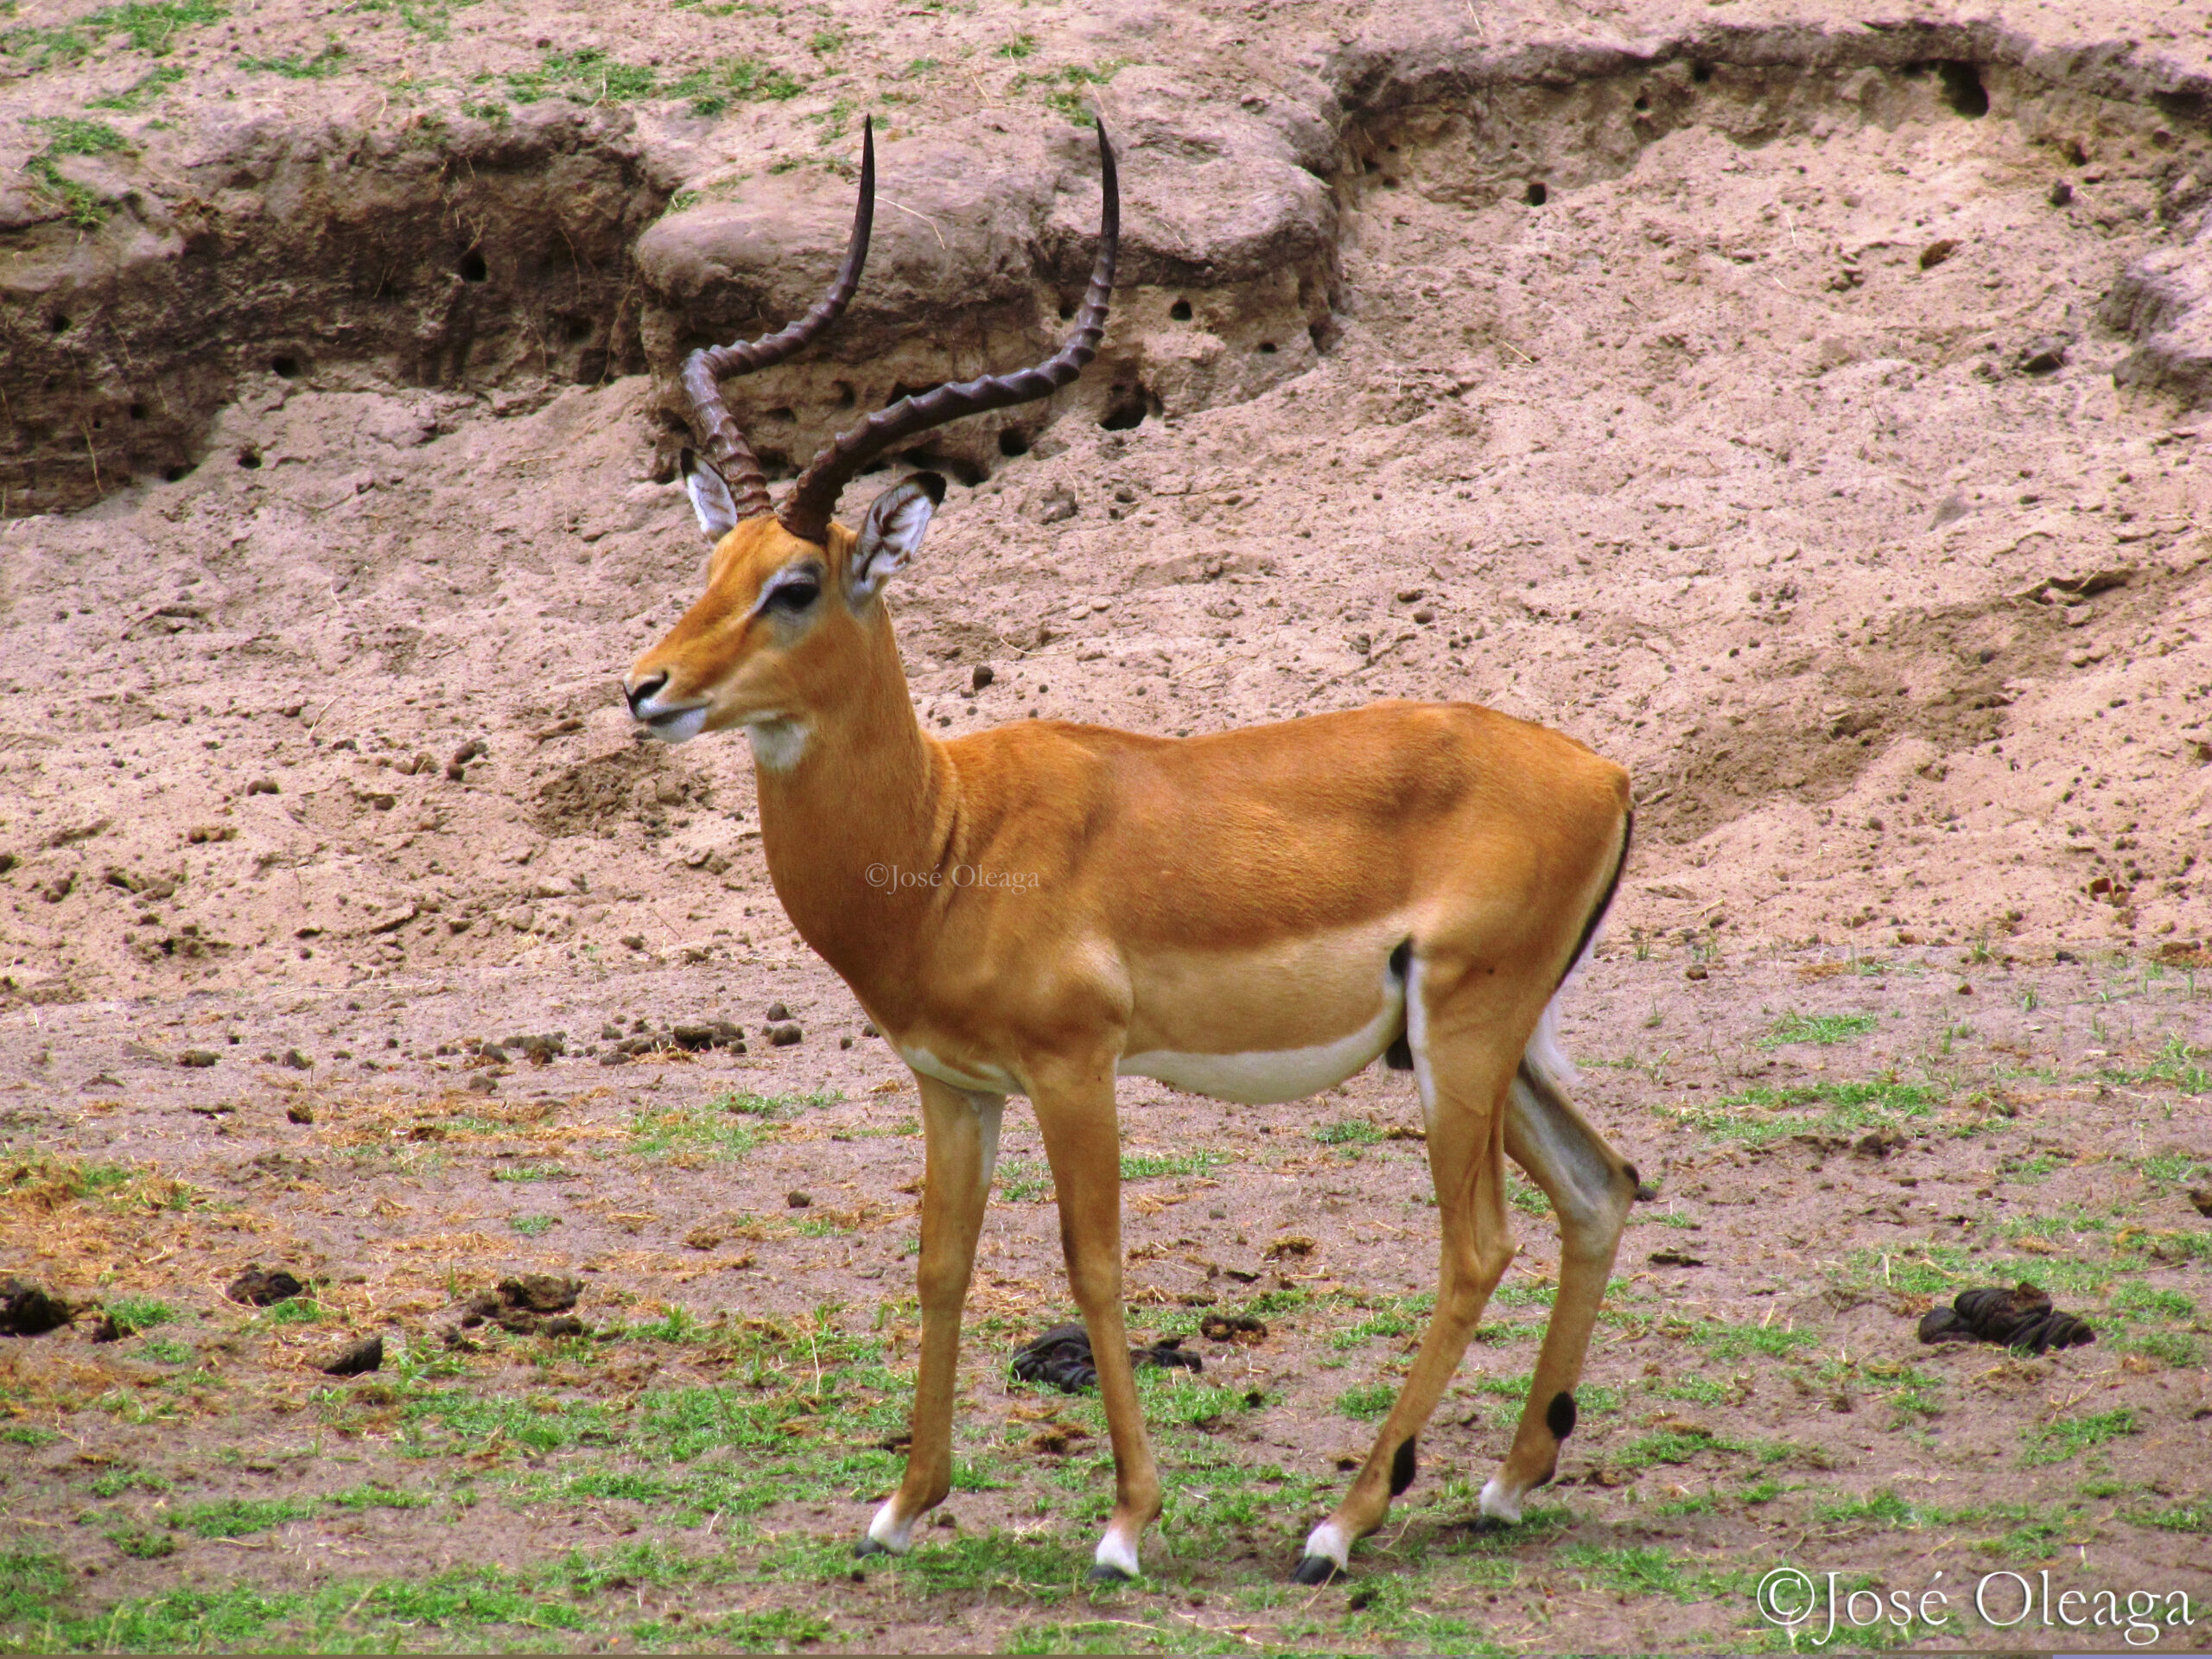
column 644, row 689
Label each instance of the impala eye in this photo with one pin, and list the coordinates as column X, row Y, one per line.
column 795, row 596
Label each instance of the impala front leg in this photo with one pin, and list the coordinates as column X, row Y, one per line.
column 1083, row 1143
column 961, row 1133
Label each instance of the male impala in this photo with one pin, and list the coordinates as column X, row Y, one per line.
column 1252, row 915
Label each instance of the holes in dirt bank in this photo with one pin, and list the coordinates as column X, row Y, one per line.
column 846, row 397
column 1537, row 193
column 1067, row 310
column 1013, row 444
column 927, row 460
column 579, row 330
column 58, row 323
column 781, row 412
column 1322, row 334
column 1126, row 408
column 137, row 411
column 250, row 459
column 1180, row 311
column 176, row 473
column 1267, row 349
column 1642, row 103
column 284, row 368
column 1962, row 88
column 1701, row 73
column 472, row 268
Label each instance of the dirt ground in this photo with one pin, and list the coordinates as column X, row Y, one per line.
column 1799, row 413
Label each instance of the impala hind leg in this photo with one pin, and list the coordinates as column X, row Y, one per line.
column 1591, row 1188
column 961, row 1142
column 1463, row 1083
column 1082, row 1144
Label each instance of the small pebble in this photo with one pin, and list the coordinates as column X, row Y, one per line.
column 797, row 1200
column 299, row 1114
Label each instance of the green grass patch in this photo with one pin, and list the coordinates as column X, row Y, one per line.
column 239, row 1517
column 1734, row 1341
column 1823, row 1029
column 1771, row 1114
column 699, row 1132
column 533, row 1226
column 1153, row 1167
column 152, row 29
column 1349, row 1132
column 2181, row 1065
column 2058, row 1442
column 1368, row 1400
column 2180, row 1517
column 331, row 60
column 141, row 91
column 1021, row 1181
column 131, row 1314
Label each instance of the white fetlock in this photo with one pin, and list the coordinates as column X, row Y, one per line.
column 1117, row 1554
column 1329, row 1539
column 889, row 1532
column 1499, row 1503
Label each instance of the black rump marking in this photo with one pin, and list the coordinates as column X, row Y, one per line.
column 1558, row 1417
column 1399, row 1057
column 1402, row 1467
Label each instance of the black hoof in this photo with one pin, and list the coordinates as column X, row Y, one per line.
column 869, row 1547
column 1315, row 1569
column 1103, row 1574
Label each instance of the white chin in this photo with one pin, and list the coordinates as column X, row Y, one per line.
column 679, row 728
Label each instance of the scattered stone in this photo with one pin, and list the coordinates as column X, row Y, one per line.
column 2061, row 194
column 541, row 1292
column 482, row 1082
column 1289, row 1245
column 299, row 1114
column 356, row 1358
column 456, row 768
column 869, row 1030
column 2020, row 1317
column 1880, row 1143
column 1062, row 1356
column 296, row 1061
column 257, row 1287
column 28, row 1310
column 796, row 1199
column 982, row 676
column 1937, row 252
column 263, row 786
column 1695, row 971
column 1056, row 506
column 703, row 1239
column 1674, row 1259
column 712, row 1033
column 1240, row 1328
column 777, row 1011
column 541, row 1049
column 1965, row 989
column 197, row 1057
column 785, row 1036
column 2045, row 354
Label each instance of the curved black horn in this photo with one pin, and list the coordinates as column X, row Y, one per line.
column 719, row 439
column 806, row 512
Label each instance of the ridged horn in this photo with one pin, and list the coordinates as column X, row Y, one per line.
column 720, row 440
column 807, row 509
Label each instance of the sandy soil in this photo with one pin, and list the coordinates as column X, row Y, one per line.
column 1767, row 424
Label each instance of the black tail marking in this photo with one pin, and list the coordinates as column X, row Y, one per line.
column 1399, row 1057
column 1605, row 903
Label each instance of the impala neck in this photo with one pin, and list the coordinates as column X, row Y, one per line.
column 870, row 797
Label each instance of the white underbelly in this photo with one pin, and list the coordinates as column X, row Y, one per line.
column 1269, row 1077
column 977, row 1079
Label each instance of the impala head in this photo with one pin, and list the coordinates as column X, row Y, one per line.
column 790, row 591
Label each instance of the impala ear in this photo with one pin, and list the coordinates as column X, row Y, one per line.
column 710, row 498
column 892, row 529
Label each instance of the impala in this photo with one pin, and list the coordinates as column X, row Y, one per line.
column 1250, row 915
